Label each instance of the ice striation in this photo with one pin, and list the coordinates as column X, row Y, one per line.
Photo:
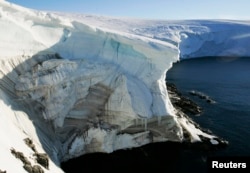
column 78, row 84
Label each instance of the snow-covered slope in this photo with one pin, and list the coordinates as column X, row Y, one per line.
column 78, row 84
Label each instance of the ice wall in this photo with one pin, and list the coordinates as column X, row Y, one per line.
column 83, row 88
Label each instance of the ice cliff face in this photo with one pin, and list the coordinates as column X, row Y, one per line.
column 78, row 84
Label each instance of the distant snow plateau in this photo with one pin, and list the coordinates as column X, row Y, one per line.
column 78, row 84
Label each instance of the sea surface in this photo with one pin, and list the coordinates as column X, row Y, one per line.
column 226, row 80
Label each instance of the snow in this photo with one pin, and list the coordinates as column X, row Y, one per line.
column 77, row 84
column 16, row 126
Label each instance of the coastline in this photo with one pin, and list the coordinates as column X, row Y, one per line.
column 187, row 108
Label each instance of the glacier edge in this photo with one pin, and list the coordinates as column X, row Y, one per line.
column 96, row 87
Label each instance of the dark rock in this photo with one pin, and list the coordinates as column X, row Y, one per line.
column 183, row 103
column 187, row 106
column 193, row 93
column 28, row 168
column 2, row 171
column 25, row 160
column 201, row 96
column 30, row 144
column 37, row 169
column 42, row 159
column 20, row 155
column 209, row 100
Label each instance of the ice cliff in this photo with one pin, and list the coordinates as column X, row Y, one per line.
column 78, row 84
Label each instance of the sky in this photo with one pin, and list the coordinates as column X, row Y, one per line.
column 148, row 9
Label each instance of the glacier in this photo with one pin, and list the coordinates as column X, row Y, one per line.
column 78, row 84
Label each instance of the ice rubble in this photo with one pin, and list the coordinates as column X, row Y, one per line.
column 77, row 84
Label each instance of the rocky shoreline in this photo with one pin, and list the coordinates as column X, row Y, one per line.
column 186, row 107
column 182, row 103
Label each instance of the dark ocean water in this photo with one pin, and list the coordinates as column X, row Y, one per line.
column 227, row 81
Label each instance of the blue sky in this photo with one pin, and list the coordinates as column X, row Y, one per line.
column 150, row 9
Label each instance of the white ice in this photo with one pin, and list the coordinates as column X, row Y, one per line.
column 110, row 66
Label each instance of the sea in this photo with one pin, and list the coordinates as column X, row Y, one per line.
column 226, row 80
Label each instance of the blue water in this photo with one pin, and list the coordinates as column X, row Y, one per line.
column 227, row 81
